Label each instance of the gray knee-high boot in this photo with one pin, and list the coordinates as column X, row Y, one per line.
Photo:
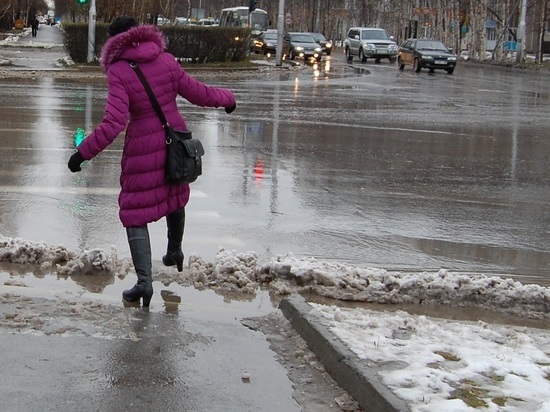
column 176, row 224
column 140, row 248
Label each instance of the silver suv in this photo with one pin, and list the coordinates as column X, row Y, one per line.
column 370, row 43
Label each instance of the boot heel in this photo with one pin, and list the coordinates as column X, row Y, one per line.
column 174, row 259
column 133, row 296
column 179, row 260
column 147, row 300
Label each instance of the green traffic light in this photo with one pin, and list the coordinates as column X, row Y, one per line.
column 79, row 136
column 82, row 1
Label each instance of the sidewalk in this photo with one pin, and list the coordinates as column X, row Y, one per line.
column 360, row 380
column 45, row 52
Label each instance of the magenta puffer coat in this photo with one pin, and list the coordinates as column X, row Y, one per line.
column 145, row 196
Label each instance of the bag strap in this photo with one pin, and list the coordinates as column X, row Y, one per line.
column 150, row 93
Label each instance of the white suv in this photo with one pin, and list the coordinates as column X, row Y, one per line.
column 370, row 43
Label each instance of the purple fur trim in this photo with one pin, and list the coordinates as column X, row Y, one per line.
column 115, row 45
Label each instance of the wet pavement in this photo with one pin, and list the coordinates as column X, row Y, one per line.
column 357, row 163
column 166, row 366
column 360, row 163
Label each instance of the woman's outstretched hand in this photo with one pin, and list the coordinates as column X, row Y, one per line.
column 75, row 161
column 231, row 109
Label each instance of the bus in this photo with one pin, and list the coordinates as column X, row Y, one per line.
column 239, row 17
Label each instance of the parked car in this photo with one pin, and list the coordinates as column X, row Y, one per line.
column 370, row 43
column 301, row 45
column 161, row 21
column 266, row 42
column 325, row 44
column 464, row 55
column 183, row 21
column 426, row 53
column 208, row 22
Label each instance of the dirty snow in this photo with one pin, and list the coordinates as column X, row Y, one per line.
column 442, row 365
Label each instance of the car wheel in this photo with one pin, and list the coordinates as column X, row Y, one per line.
column 362, row 56
column 400, row 64
column 416, row 66
column 349, row 57
column 291, row 55
column 392, row 60
column 451, row 70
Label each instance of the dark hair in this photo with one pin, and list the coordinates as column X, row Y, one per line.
column 121, row 24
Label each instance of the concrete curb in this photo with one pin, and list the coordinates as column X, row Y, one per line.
column 358, row 378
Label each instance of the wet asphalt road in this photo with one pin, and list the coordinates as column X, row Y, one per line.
column 357, row 163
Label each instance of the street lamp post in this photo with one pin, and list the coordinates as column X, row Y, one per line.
column 280, row 29
column 91, row 31
column 521, row 32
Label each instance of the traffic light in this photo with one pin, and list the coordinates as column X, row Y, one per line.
column 79, row 136
column 82, row 1
column 252, row 6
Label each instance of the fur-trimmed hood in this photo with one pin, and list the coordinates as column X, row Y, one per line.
column 139, row 44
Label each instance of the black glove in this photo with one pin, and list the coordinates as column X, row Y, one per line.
column 231, row 109
column 75, row 161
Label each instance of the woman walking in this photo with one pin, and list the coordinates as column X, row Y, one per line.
column 145, row 195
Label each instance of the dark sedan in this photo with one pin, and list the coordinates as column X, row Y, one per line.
column 428, row 54
column 301, row 45
column 325, row 43
column 266, row 42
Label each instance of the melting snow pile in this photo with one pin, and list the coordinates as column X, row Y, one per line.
column 66, row 262
column 241, row 272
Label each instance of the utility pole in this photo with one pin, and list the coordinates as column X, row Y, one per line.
column 91, row 31
column 280, row 30
column 318, row 20
column 521, row 32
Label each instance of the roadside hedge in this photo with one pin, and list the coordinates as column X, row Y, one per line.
column 190, row 43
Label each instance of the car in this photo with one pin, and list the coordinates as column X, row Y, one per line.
column 161, row 21
column 183, row 21
column 208, row 22
column 303, row 45
column 467, row 55
column 368, row 42
column 325, row 44
column 428, row 54
column 266, row 42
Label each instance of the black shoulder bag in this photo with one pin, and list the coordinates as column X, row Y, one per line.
column 183, row 153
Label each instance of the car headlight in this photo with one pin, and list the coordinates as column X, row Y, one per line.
column 370, row 46
column 328, row 46
column 269, row 44
column 298, row 48
column 318, row 49
column 393, row 47
column 427, row 57
column 452, row 59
